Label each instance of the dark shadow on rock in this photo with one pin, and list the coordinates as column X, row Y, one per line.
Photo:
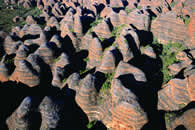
column 180, row 75
column 10, row 63
column 88, row 11
column 12, row 94
column 133, row 46
column 77, row 61
column 73, row 117
column 90, row 71
column 147, row 92
column 147, row 98
column 125, row 3
column 107, row 42
column 2, row 51
column 180, row 127
column 98, row 126
column 118, row 56
column 100, row 79
column 33, row 48
column 30, row 36
column 117, row 9
column 51, row 32
column 86, row 21
column 35, row 115
column 67, row 46
column 40, row 20
column 107, row 1
column 108, row 21
column 99, row 8
column 145, row 37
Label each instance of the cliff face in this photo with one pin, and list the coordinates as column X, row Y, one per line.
column 117, row 64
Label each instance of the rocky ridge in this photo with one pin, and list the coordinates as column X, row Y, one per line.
column 120, row 64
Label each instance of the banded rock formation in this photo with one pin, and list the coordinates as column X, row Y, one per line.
column 175, row 93
column 116, row 36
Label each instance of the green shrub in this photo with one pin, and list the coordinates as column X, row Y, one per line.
column 172, row 4
column 168, row 117
column 107, row 84
column 101, row 39
column 91, row 124
column 153, row 18
column 56, row 60
column 64, row 80
column 167, row 53
column 86, row 59
column 105, row 89
column 186, row 20
column 117, row 30
column 7, row 15
column 139, row 7
column 9, row 61
column 128, row 10
column 168, row 57
column 72, row 30
column 83, row 71
column 96, row 22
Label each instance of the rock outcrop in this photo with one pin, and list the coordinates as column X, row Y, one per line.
column 95, row 53
column 25, row 74
column 122, row 64
column 126, row 111
column 175, row 93
column 21, row 119
column 167, row 27
column 186, row 120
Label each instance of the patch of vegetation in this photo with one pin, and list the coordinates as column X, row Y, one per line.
column 86, row 59
column 64, row 80
column 117, row 30
column 95, row 23
column 142, row 49
column 107, row 84
column 153, row 18
column 168, row 56
column 172, row 4
column 9, row 61
column 105, row 89
column 7, row 15
column 186, row 19
column 139, row 7
column 128, row 10
column 182, row 105
column 169, row 117
column 42, row 25
column 101, row 39
column 83, row 71
column 72, row 30
column 91, row 124
column 56, row 60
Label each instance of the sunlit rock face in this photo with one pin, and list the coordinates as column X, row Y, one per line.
column 98, row 64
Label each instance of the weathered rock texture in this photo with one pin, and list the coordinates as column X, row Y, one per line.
column 126, row 111
column 168, row 27
column 97, row 59
column 175, row 93
column 20, row 119
column 24, row 73
column 186, row 120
